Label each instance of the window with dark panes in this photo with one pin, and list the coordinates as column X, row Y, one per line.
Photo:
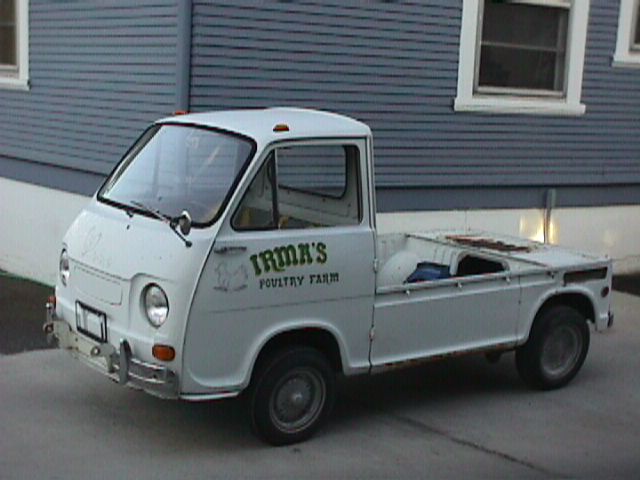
column 523, row 47
column 8, row 56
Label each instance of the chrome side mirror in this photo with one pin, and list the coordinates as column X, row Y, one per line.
column 184, row 222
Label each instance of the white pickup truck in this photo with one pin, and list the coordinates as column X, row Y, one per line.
column 236, row 252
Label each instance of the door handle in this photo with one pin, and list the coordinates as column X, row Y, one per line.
column 224, row 249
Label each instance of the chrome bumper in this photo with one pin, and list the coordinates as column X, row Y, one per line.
column 119, row 365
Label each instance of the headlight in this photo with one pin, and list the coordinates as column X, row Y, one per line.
column 156, row 305
column 64, row 267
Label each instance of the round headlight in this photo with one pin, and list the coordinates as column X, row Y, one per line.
column 64, row 267
column 156, row 305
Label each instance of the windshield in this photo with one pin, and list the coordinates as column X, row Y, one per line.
column 173, row 168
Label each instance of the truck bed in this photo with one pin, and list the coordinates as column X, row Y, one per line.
column 418, row 259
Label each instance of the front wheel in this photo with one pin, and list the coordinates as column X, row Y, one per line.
column 556, row 349
column 291, row 396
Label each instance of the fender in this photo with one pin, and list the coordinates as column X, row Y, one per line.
column 549, row 295
column 294, row 326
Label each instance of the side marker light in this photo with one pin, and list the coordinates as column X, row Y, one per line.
column 165, row 353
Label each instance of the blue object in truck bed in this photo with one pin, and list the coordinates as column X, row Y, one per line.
column 427, row 271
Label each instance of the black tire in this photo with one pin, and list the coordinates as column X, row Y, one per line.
column 556, row 348
column 291, row 395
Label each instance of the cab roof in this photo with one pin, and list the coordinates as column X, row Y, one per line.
column 260, row 124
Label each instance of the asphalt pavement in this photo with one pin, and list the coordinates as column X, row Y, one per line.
column 627, row 284
column 22, row 314
column 461, row 418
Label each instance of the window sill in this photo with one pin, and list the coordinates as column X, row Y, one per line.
column 9, row 83
column 626, row 60
column 514, row 105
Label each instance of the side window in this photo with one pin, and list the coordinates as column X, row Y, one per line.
column 258, row 210
column 315, row 170
column 303, row 186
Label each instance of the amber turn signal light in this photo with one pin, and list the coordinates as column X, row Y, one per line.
column 163, row 352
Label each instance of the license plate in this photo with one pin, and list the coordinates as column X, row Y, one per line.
column 91, row 322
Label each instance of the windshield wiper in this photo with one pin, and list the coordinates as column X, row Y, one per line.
column 172, row 222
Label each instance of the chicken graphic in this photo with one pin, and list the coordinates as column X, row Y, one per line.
column 230, row 280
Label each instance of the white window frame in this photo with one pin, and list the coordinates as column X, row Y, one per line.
column 18, row 78
column 467, row 100
column 624, row 55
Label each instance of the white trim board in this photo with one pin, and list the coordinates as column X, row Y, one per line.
column 19, row 79
column 624, row 56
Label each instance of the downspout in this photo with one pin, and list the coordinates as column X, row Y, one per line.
column 550, row 204
column 183, row 55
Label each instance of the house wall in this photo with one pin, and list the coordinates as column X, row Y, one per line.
column 395, row 66
column 99, row 73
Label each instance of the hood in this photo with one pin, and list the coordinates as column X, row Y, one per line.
column 107, row 239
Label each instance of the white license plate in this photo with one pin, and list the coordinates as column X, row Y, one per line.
column 91, row 323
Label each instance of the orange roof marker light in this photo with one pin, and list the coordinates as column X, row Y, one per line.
column 281, row 127
column 180, row 112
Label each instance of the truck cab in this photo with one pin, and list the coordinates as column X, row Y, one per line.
column 233, row 252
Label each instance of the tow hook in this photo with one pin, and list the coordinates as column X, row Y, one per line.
column 49, row 331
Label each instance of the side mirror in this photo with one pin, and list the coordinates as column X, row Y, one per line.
column 184, row 222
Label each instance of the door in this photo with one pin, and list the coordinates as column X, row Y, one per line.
column 296, row 251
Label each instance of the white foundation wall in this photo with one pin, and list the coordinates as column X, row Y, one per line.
column 609, row 231
column 34, row 219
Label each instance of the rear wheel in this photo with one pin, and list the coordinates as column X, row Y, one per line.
column 556, row 349
column 291, row 395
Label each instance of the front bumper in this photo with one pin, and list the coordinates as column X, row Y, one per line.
column 119, row 365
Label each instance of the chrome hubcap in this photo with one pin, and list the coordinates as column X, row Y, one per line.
column 297, row 400
column 561, row 351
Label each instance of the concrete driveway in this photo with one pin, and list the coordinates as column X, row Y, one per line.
column 462, row 418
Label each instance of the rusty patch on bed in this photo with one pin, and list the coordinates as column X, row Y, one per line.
column 488, row 243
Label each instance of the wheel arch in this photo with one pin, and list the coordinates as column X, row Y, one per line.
column 315, row 337
column 580, row 301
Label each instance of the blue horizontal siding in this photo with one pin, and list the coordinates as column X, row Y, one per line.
column 394, row 66
column 99, row 73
